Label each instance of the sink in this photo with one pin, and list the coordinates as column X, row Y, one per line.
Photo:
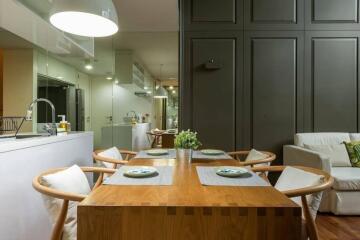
column 23, row 136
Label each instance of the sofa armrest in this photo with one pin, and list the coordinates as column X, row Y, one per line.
column 298, row 156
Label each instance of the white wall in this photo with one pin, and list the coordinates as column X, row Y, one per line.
column 109, row 99
column 125, row 100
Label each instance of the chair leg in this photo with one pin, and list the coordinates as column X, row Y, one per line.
column 310, row 223
column 59, row 225
column 99, row 180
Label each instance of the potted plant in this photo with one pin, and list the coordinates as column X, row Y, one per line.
column 185, row 142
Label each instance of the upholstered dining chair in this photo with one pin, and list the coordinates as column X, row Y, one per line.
column 253, row 157
column 113, row 157
column 304, row 186
column 62, row 189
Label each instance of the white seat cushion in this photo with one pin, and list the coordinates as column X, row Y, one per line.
column 111, row 153
column 320, row 138
column 338, row 154
column 72, row 180
column 255, row 155
column 293, row 178
column 346, row 178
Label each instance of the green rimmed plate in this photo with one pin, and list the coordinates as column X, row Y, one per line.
column 140, row 172
column 229, row 171
column 157, row 152
column 212, row 152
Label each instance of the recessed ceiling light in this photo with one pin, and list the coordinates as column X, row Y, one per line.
column 148, row 92
column 173, row 92
column 89, row 18
column 171, row 87
column 108, row 78
column 145, row 88
column 116, row 82
column 88, row 66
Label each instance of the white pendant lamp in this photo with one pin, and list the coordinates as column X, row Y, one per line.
column 160, row 92
column 88, row 18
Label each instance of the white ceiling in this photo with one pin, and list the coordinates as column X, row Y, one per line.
column 148, row 27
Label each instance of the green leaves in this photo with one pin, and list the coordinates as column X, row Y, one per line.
column 187, row 140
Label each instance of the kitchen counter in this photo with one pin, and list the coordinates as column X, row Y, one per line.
column 11, row 144
column 23, row 215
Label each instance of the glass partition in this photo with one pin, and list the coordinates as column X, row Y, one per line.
column 104, row 85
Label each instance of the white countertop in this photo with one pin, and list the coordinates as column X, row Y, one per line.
column 12, row 144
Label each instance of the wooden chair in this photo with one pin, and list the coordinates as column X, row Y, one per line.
column 127, row 155
column 66, row 196
column 240, row 155
column 309, row 223
column 167, row 140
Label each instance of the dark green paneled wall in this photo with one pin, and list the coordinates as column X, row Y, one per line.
column 255, row 72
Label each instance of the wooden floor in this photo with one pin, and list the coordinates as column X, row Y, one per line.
column 333, row 227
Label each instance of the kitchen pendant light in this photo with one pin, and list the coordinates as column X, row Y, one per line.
column 160, row 92
column 89, row 18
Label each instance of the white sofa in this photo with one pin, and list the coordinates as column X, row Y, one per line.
column 344, row 197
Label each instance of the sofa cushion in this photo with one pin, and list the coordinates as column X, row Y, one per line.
column 346, row 178
column 320, row 138
column 354, row 136
column 337, row 153
column 353, row 149
column 293, row 178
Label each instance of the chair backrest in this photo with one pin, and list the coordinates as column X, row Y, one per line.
column 113, row 157
column 302, row 182
column 167, row 140
column 57, row 199
column 241, row 156
column 326, row 138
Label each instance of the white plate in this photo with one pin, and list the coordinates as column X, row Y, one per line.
column 157, row 152
column 211, row 152
column 228, row 171
column 139, row 172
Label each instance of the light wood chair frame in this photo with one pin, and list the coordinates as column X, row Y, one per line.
column 237, row 155
column 128, row 156
column 327, row 182
column 66, row 196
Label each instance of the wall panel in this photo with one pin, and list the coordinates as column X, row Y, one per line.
column 273, row 79
column 300, row 62
column 212, row 14
column 332, row 15
column 211, row 92
column 274, row 15
column 332, row 75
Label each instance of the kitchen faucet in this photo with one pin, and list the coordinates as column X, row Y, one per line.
column 52, row 130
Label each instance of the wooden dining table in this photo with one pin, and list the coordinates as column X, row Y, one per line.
column 187, row 209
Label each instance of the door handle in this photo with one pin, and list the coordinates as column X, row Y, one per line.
column 212, row 64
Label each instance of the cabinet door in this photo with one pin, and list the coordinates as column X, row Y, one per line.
column 274, row 14
column 212, row 14
column 332, row 14
column 273, row 86
column 332, row 81
column 212, row 67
